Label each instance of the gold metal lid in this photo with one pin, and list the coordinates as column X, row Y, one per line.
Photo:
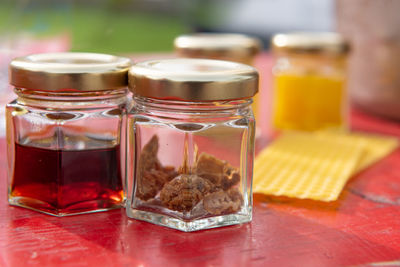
column 310, row 42
column 217, row 45
column 189, row 79
column 69, row 72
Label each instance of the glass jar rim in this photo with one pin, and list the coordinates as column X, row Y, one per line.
column 69, row 71
column 330, row 43
column 213, row 44
column 189, row 79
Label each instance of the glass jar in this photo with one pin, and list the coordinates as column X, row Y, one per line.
column 64, row 143
column 310, row 81
column 223, row 46
column 373, row 28
column 191, row 143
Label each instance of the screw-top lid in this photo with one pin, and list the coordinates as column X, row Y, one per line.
column 236, row 47
column 69, row 72
column 310, row 42
column 189, row 79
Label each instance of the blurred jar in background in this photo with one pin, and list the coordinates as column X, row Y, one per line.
column 373, row 28
column 309, row 81
column 223, row 46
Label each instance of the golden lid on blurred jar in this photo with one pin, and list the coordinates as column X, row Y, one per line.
column 66, row 72
column 226, row 46
column 327, row 43
column 189, row 79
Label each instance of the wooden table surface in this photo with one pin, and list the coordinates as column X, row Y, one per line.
column 361, row 228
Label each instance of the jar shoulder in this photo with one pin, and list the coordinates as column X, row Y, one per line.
column 114, row 107
column 71, row 104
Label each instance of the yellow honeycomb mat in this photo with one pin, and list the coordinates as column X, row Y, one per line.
column 316, row 165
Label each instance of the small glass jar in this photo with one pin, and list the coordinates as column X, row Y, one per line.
column 373, row 29
column 64, row 143
column 310, row 81
column 191, row 143
column 223, row 46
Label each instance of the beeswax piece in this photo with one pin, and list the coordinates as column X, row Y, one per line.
column 375, row 146
column 316, row 165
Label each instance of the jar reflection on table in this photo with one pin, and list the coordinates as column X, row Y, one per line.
column 309, row 80
column 65, row 149
column 191, row 143
column 222, row 46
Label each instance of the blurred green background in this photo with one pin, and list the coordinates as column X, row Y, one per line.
column 112, row 26
column 139, row 26
column 135, row 26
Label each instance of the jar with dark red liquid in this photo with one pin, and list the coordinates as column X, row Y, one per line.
column 64, row 142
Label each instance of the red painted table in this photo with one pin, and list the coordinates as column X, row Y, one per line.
column 361, row 228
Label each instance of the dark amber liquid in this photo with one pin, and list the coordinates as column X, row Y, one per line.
column 64, row 182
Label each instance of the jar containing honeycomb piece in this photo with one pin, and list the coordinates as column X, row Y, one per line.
column 191, row 143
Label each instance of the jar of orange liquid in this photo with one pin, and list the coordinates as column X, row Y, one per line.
column 309, row 79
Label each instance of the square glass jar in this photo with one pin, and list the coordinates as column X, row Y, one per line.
column 190, row 147
column 66, row 153
column 310, row 82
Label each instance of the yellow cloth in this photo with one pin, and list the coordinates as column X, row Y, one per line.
column 316, row 165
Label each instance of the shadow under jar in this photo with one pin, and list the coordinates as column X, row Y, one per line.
column 191, row 143
column 64, row 143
